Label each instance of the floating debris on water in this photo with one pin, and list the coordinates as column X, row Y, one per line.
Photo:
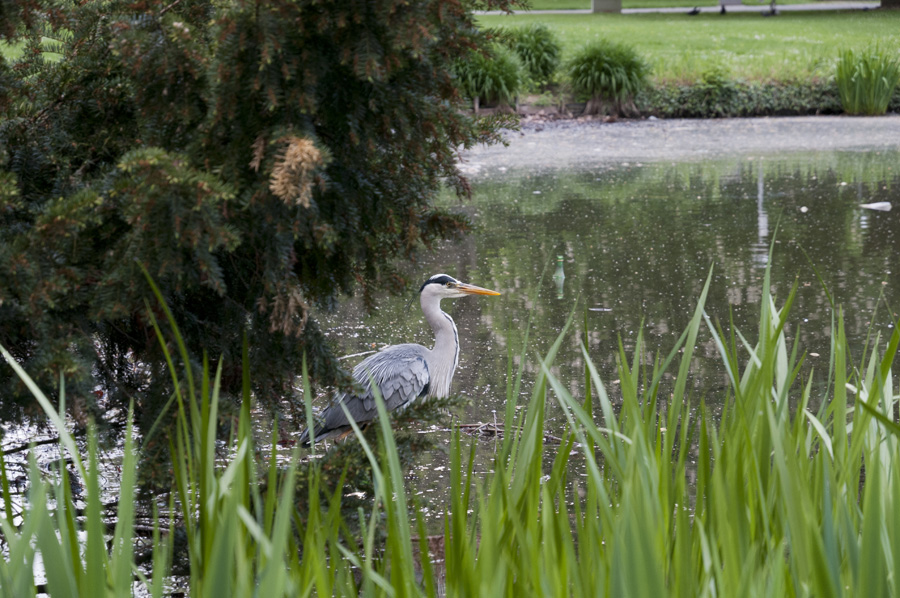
column 880, row 206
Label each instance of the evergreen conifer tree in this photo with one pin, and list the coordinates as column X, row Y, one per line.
column 259, row 158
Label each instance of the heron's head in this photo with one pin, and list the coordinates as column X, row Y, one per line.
column 442, row 286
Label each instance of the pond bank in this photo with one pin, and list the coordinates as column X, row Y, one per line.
column 817, row 6
column 554, row 144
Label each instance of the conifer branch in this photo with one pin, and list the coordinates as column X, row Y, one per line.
column 169, row 7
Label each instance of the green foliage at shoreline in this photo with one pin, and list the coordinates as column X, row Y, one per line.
column 538, row 49
column 717, row 98
column 867, row 80
column 586, row 4
column 679, row 48
column 790, row 489
column 607, row 71
column 712, row 66
column 717, row 95
column 492, row 75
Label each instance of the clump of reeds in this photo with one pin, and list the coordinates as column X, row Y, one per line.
column 537, row 46
column 491, row 75
column 867, row 80
column 607, row 71
column 789, row 489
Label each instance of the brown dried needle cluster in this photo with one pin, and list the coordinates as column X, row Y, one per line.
column 292, row 177
column 289, row 312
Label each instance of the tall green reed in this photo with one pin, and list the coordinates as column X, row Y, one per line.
column 607, row 71
column 96, row 566
column 867, row 80
column 491, row 75
column 245, row 532
column 772, row 496
column 780, row 487
column 539, row 50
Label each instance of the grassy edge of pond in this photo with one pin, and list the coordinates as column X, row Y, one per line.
column 686, row 4
column 709, row 66
column 795, row 46
column 789, row 490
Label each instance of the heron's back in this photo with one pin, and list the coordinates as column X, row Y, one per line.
column 401, row 374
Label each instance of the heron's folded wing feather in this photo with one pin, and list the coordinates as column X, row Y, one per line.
column 399, row 371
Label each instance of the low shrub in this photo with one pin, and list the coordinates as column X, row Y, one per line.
column 712, row 98
column 492, row 76
column 539, row 50
column 867, row 80
column 607, row 71
column 717, row 90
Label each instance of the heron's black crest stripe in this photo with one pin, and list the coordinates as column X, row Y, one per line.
column 439, row 279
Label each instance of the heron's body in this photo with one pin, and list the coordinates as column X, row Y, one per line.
column 402, row 373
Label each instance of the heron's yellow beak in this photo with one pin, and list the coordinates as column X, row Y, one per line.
column 471, row 289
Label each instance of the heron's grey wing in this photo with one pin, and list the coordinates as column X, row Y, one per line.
column 401, row 374
column 399, row 371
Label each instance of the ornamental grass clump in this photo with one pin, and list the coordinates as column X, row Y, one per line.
column 867, row 80
column 539, row 50
column 607, row 72
column 491, row 76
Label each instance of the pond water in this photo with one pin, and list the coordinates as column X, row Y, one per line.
column 637, row 241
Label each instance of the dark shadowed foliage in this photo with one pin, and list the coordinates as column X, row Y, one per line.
column 260, row 159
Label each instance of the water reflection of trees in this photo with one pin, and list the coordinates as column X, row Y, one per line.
column 638, row 240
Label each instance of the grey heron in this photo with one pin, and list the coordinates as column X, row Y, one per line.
column 403, row 373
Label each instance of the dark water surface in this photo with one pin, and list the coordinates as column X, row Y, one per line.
column 637, row 241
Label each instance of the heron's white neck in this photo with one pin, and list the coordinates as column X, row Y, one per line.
column 445, row 353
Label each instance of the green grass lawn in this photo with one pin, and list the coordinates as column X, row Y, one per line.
column 790, row 46
column 14, row 51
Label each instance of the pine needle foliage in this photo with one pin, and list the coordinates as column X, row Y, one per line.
column 259, row 158
column 867, row 80
column 607, row 71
